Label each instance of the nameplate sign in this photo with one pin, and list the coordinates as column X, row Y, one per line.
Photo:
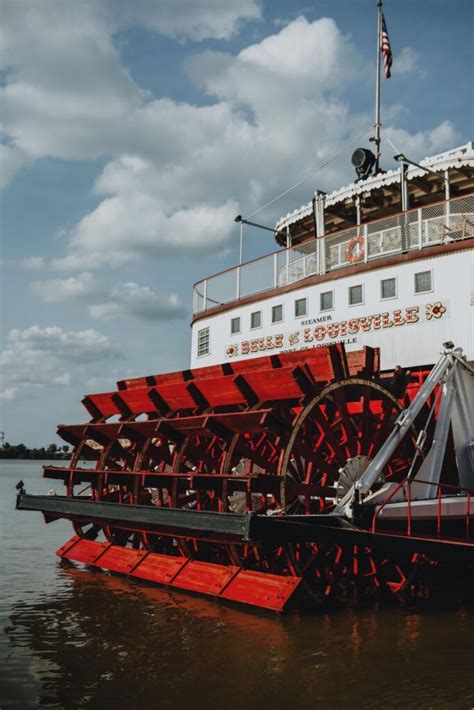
column 339, row 331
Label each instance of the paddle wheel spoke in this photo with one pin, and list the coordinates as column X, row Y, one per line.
column 333, row 440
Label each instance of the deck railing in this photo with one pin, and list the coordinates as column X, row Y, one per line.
column 420, row 228
column 464, row 496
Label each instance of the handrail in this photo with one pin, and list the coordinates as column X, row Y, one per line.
column 335, row 234
column 408, row 482
column 404, row 241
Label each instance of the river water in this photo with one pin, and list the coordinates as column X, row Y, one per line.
column 74, row 638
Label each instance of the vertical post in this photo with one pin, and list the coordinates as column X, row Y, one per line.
column 288, row 244
column 315, row 222
column 358, row 210
column 420, row 228
column 241, row 250
column 315, row 218
column 319, row 205
column 378, row 124
column 405, row 206
column 205, row 295
column 404, row 186
column 275, row 269
column 366, row 243
column 237, row 294
column 447, row 197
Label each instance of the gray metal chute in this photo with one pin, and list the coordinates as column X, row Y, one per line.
column 456, row 412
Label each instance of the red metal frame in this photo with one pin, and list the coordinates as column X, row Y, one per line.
column 267, row 435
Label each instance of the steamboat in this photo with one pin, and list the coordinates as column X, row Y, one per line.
column 321, row 444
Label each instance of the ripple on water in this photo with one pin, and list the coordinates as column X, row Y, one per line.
column 74, row 638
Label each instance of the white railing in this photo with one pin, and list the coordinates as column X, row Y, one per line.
column 420, row 228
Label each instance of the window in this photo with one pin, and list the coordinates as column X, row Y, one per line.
column 423, row 282
column 256, row 319
column 327, row 301
column 203, row 342
column 355, row 295
column 388, row 288
column 277, row 314
column 235, row 325
column 300, row 307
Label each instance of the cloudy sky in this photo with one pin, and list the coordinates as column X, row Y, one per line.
column 132, row 133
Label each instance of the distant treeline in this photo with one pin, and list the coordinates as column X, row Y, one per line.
column 20, row 451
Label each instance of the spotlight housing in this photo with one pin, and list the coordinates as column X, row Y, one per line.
column 363, row 160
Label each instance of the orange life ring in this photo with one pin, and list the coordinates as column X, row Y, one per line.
column 352, row 255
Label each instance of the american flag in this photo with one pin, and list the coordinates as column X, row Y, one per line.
column 385, row 49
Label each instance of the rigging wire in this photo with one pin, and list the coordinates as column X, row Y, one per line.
column 397, row 151
column 308, row 175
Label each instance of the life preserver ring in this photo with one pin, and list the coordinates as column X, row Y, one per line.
column 355, row 250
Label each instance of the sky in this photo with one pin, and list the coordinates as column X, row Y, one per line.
column 132, row 133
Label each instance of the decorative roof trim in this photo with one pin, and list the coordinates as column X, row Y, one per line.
column 455, row 158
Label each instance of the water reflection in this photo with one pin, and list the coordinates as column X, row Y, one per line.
column 103, row 639
column 104, row 642
column 77, row 638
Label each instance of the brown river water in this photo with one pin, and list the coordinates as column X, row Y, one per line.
column 74, row 638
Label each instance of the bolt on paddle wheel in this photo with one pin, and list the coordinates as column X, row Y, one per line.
column 166, row 459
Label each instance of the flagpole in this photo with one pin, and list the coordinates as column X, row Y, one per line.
column 377, row 124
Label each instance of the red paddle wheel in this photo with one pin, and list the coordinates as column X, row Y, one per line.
column 224, row 480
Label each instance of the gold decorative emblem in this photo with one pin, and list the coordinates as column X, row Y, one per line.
column 434, row 310
column 294, row 338
column 232, row 350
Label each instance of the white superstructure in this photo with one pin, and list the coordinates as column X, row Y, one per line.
column 402, row 281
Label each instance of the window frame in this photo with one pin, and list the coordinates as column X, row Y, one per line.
column 428, row 290
column 299, row 300
column 253, row 313
column 382, row 281
column 280, row 320
column 199, row 343
column 232, row 331
column 331, row 308
column 349, row 289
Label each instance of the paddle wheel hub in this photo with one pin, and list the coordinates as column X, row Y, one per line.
column 350, row 473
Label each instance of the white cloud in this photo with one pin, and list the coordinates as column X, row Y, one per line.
column 67, row 94
column 40, row 357
column 29, row 263
column 73, row 345
column 139, row 228
column 107, row 302
column 59, row 290
column 11, row 160
column 32, row 263
column 424, row 143
column 316, row 51
column 134, row 300
column 188, row 18
column 66, row 90
column 103, row 383
column 407, row 61
column 177, row 174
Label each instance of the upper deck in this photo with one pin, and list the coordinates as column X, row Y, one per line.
column 354, row 227
column 414, row 232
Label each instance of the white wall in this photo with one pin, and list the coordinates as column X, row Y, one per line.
column 418, row 341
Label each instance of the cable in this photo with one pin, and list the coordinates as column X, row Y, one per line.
column 397, row 151
column 308, row 175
